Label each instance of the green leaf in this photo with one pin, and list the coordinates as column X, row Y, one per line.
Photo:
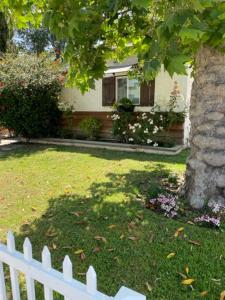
column 176, row 64
column 151, row 68
column 191, row 34
column 140, row 3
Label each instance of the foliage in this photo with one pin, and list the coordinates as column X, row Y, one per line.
column 124, row 104
column 144, row 128
column 165, row 203
column 29, row 95
column 38, row 40
column 3, row 33
column 213, row 216
column 158, row 32
column 90, row 126
column 34, row 39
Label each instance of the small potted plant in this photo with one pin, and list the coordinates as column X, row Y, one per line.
column 124, row 105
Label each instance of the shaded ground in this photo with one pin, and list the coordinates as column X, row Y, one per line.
column 65, row 197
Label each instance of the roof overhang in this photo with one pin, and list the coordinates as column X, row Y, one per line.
column 115, row 70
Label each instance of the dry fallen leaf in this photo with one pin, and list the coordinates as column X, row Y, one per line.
column 122, row 236
column 188, row 281
column 197, row 243
column 77, row 213
column 82, row 256
column 111, row 249
column 79, row 251
column 96, row 249
column 178, row 231
column 112, row 226
column 149, row 288
column 182, row 275
column 80, row 222
column 81, row 274
column 222, row 295
column 100, row 238
column 190, row 222
column 204, row 293
column 172, row 254
column 132, row 238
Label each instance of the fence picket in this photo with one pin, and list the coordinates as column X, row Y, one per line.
column 14, row 275
column 91, row 279
column 27, row 250
column 2, row 283
column 52, row 280
column 47, row 264
column 67, row 270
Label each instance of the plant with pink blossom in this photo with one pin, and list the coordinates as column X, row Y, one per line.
column 165, row 203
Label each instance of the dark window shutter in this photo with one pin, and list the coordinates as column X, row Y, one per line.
column 108, row 91
column 147, row 93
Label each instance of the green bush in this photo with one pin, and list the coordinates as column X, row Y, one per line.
column 90, row 127
column 29, row 92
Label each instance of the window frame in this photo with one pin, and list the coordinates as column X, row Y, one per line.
column 127, row 78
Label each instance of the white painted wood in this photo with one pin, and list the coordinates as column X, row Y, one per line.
column 27, row 250
column 47, row 264
column 14, row 275
column 67, row 270
column 2, row 283
column 91, row 279
column 62, row 283
column 125, row 294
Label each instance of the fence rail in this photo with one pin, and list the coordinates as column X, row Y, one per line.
column 51, row 279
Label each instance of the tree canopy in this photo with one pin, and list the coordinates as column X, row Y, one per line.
column 167, row 32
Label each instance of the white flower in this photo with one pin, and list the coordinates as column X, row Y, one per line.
column 149, row 141
column 161, row 117
column 146, row 130
column 131, row 139
column 124, row 132
column 150, row 121
column 161, row 128
column 155, row 144
column 155, row 130
column 115, row 117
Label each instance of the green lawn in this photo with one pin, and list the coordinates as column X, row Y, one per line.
column 64, row 198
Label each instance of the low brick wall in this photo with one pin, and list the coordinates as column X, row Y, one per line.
column 175, row 132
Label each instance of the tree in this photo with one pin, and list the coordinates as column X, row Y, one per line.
column 3, row 33
column 176, row 33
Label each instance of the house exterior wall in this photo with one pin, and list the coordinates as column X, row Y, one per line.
column 92, row 100
column 90, row 104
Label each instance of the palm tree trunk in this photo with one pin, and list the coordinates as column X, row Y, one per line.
column 205, row 174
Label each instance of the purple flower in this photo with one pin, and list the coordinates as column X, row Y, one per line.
column 167, row 204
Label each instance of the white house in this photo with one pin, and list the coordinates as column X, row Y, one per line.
column 116, row 85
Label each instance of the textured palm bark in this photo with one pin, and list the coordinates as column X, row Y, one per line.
column 205, row 174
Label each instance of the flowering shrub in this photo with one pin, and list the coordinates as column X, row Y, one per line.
column 166, row 204
column 138, row 129
column 29, row 92
column 213, row 217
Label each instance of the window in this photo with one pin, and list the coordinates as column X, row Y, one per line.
column 128, row 88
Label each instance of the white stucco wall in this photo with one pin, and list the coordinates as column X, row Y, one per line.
column 164, row 84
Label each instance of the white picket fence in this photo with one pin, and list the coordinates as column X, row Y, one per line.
column 52, row 280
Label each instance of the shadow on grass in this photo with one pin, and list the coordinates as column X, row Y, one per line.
column 114, row 210
column 20, row 150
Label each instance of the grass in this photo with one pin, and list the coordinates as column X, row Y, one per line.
column 65, row 197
